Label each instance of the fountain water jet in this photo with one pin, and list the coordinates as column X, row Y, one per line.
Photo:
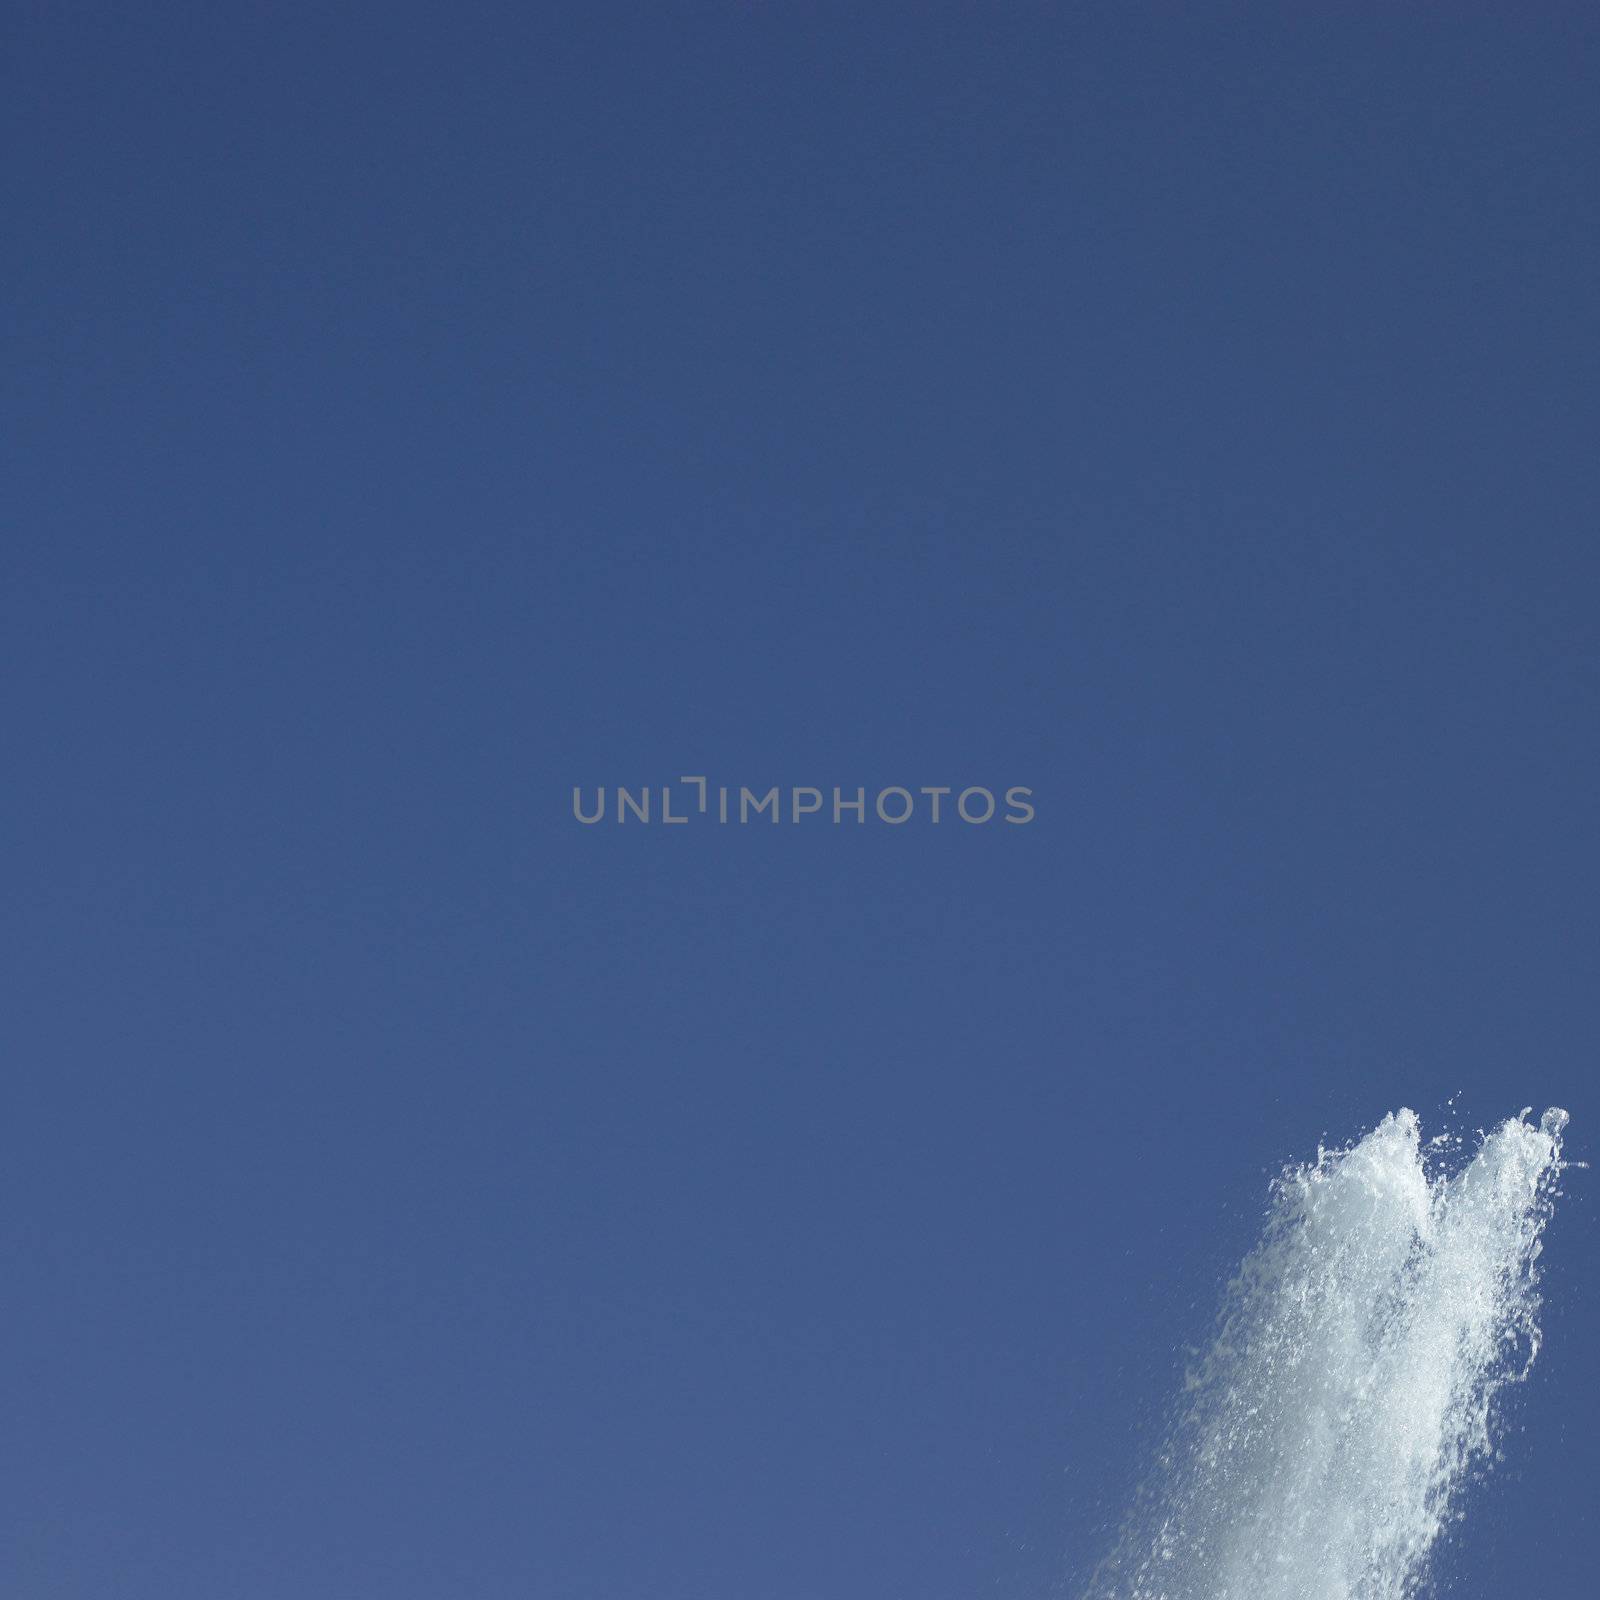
column 1349, row 1392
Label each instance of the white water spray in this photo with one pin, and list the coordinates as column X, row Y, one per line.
column 1350, row 1391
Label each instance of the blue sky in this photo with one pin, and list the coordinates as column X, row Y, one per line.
column 412, row 412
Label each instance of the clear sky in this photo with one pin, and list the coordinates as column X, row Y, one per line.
column 1188, row 412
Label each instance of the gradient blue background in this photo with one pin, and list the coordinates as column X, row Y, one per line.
column 413, row 411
